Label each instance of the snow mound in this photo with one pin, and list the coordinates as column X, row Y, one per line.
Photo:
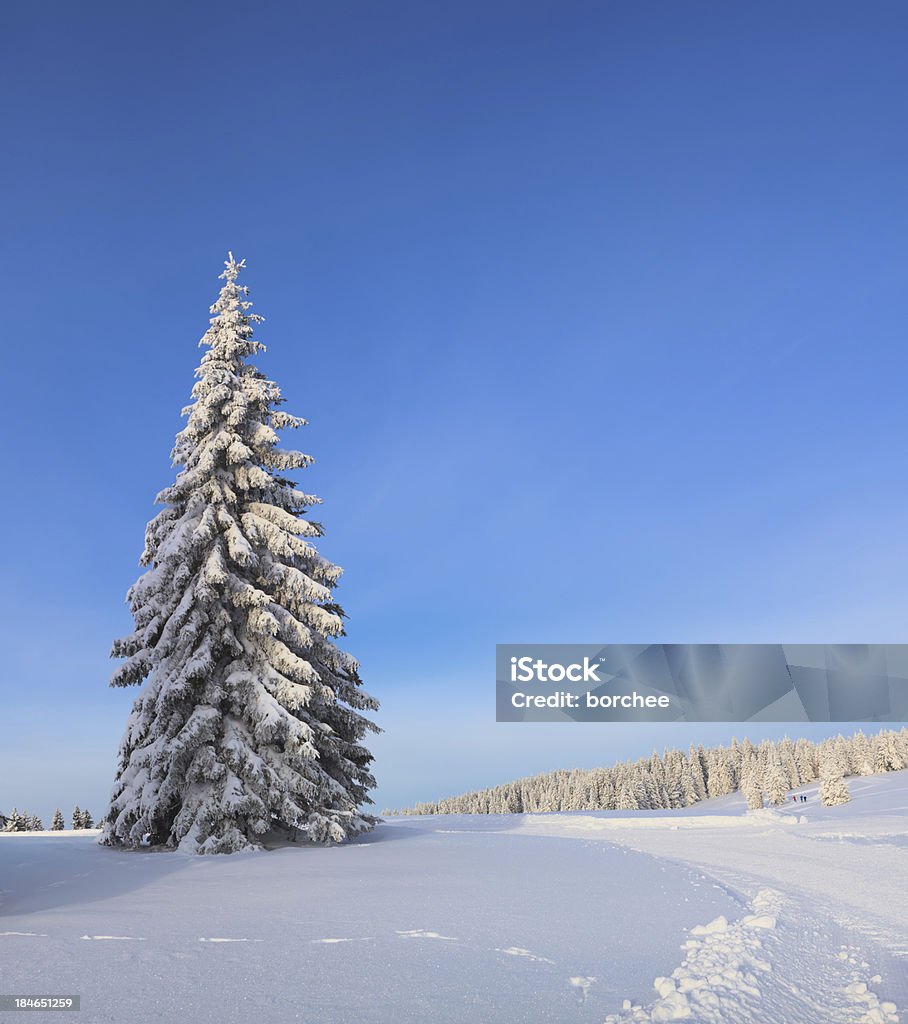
column 722, row 967
column 728, row 974
column 636, row 821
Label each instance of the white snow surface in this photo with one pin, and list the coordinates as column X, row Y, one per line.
column 710, row 915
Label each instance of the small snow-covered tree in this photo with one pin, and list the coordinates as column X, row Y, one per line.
column 627, row 797
column 86, row 819
column 77, row 817
column 674, row 786
column 718, row 777
column 751, row 787
column 806, row 760
column 606, row 791
column 788, row 761
column 754, row 796
column 698, row 777
column 689, row 791
column 888, row 754
column 250, row 715
column 861, row 754
column 776, row 783
column 35, row 824
column 833, row 791
column 833, row 788
column 843, row 755
column 57, row 825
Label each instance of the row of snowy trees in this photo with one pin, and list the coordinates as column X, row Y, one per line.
column 763, row 773
column 21, row 821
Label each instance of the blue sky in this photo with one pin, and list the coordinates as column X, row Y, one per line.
column 597, row 312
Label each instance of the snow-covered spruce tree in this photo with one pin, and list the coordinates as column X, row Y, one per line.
column 57, row 825
column 888, row 754
column 775, row 782
column 861, row 754
column 833, row 787
column 833, row 791
column 250, row 716
column 751, row 788
column 719, row 780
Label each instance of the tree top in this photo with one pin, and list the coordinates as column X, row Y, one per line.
column 233, row 267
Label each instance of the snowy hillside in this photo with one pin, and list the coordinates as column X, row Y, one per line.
column 707, row 914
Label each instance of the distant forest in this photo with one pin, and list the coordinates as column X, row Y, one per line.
column 764, row 773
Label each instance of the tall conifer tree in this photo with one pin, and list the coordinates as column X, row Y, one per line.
column 250, row 716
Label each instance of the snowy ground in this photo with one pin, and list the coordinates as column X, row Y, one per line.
column 537, row 918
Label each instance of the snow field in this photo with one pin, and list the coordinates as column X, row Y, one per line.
column 407, row 924
column 719, row 917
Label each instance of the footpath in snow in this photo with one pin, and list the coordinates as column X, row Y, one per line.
column 827, row 930
column 848, row 862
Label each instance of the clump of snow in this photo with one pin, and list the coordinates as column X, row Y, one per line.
column 719, row 924
column 581, row 984
column 520, row 951
column 758, row 921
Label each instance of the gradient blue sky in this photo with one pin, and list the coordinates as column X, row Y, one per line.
column 597, row 311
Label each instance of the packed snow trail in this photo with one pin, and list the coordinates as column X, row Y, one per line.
column 835, row 874
column 841, row 862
